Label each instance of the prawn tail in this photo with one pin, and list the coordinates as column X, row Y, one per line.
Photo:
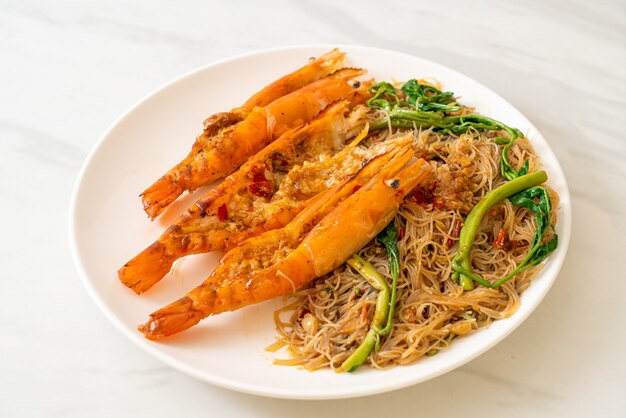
column 147, row 268
column 174, row 318
column 160, row 194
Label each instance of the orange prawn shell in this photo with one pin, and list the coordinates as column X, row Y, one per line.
column 329, row 239
column 186, row 237
column 314, row 70
column 215, row 156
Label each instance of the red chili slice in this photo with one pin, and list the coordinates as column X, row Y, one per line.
column 260, row 185
column 257, row 173
column 502, row 241
column 261, row 189
column 222, row 213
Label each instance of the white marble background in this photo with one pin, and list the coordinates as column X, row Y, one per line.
column 68, row 69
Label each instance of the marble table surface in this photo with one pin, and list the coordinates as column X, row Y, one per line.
column 69, row 68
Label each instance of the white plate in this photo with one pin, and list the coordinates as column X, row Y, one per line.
column 108, row 227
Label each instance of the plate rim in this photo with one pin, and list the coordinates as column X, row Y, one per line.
column 517, row 318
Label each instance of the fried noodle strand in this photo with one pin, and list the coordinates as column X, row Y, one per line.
column 431, row 308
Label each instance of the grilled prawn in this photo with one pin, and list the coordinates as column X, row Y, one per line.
column 328, row 231
column 265, row 193
column 224, row 146
column 313, row 71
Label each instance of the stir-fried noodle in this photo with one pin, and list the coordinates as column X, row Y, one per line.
column 322, row 324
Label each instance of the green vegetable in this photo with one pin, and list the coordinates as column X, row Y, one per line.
column 506, row 169
column 389, row 238
column 382, row 323
column 541, row 208
column 420, row 97
column 428, row 98
column 462, row 262
column 372, row 338
column 383, row 92
column 426, row 107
